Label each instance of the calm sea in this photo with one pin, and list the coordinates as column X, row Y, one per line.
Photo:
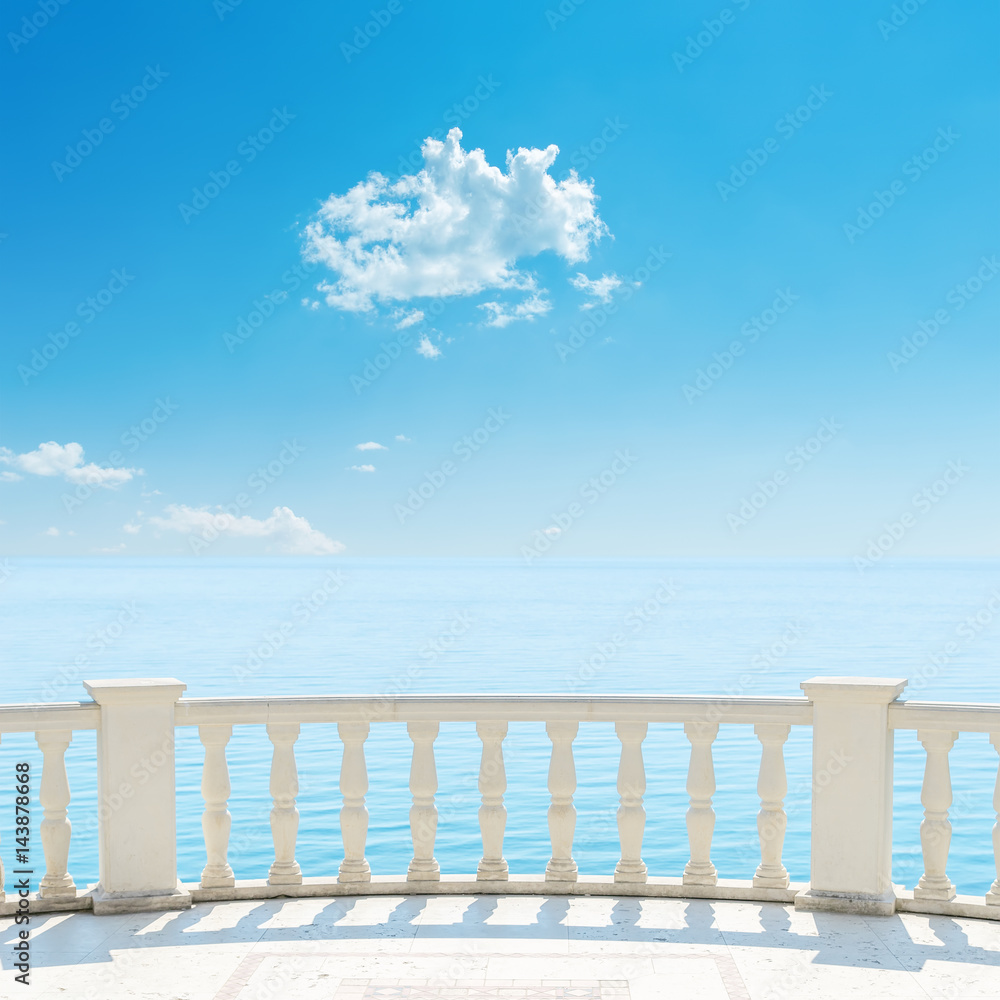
column 375, row 626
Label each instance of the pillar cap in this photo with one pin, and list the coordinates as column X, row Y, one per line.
column 136, row 691
column 870, row 690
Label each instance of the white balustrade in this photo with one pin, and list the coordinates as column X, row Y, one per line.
column 850, row 862
column 700, row 815
column 852, row 721
column 631, row 814
column 492, row 814
column 284, row 788
column 935, row 830
column 993, row 896
column 354, row 814
column 562, row 812
column 772, row 786
column 423, row 813
column 216, row 820
column 54, row 798
column 3, row 895
column 137, row 790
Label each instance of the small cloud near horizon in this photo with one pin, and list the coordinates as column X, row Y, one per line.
column 65, row 460
column 289, row 533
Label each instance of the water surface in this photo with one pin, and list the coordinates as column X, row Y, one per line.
column 377, row 626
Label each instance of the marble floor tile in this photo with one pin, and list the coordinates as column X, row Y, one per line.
column 504, row 948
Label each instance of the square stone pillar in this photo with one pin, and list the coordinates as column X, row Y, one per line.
column 137, row 802
column 851, row 854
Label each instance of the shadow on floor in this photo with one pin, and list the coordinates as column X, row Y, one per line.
column 824, row 939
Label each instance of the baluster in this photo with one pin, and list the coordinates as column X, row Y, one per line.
column 423, row 812
column 935, row 830
column 993, row 896
column 353, row 814
column 3, row 895
column 216, row 821
column 700, row 815
column 284, row 816
column 54, row 798
column 631, row 814
column 562, row 813
column 492, row 814
column 772, row 786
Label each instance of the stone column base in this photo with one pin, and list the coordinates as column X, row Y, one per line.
column 116, row 902
column 861, row 903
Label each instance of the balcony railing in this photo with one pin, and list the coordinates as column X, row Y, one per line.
column 852, row 722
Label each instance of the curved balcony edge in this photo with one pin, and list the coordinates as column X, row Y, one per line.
column 741, row 890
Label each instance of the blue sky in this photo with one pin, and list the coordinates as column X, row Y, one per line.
column 813, row 185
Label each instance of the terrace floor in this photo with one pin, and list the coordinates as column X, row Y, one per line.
column 590, row 948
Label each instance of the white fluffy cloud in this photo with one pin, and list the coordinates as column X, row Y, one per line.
column 407, row 317
column 457, row 227
column 427, row 349
column 362, row 468
column 599, row 289
column 501, row 313
column 371, row 446
column 66, row 460
column 285, row 530
column 402, row 437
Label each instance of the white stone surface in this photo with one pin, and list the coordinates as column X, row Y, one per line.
column 853, row 721
column 851, row 844
column 137, row 832
column 494, row 946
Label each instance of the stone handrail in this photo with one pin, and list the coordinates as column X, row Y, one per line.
column 485, row 707
column 966, row 718
column 938, row 725
column 68, row 715
column 852, row 722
